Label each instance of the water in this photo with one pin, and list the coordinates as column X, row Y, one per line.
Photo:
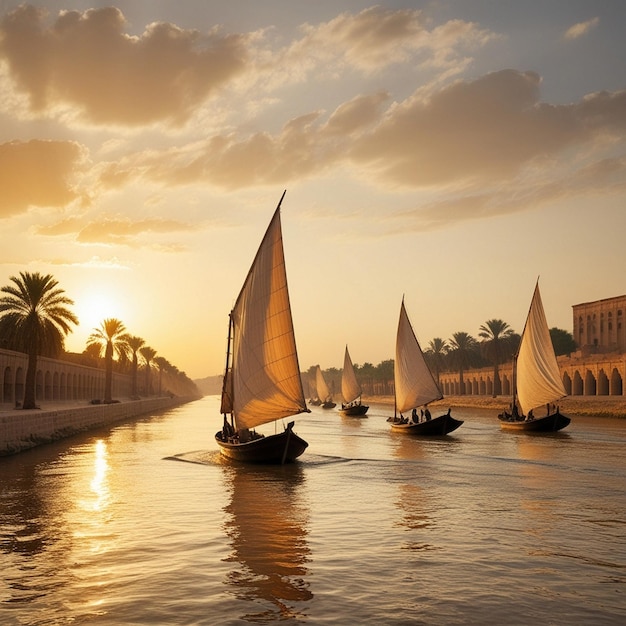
column 370, row 527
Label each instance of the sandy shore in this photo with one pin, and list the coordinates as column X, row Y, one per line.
column 605, row 406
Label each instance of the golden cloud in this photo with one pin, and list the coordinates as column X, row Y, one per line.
column 37, row 173
column 88, row 61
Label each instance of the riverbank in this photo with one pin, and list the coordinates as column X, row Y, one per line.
column 605, row 406
column 22, row 429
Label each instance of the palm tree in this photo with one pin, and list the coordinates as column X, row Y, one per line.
column 110, row 336
column 35, row 319
column 148, row 355
column 164, row 365
column 134, row 344
column 462, row 346
column 495, row 334
column 437, row 349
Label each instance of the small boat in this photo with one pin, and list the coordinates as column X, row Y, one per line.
column 262, row 382
column 415, row 387
column 323, row 392
column 351, row 390
column 536, row 378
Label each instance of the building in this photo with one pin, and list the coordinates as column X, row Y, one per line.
column 599, row 327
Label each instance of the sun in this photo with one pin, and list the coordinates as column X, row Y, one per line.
column 93, row 306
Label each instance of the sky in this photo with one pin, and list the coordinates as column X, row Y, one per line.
column 446, row 152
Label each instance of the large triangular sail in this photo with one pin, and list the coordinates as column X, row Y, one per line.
column 323, row 392
column 350, row 388
column 263, row 383
column 537, row 376
column 414, row 382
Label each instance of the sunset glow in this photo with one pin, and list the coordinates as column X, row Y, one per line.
column 438, row 151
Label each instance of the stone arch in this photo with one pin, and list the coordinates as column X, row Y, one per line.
column 47, row 391
column 603, row 384
column 577, row 389
column 19, row 385
column 55, row 386
column 617, row 384
column 39, row 385
column 506, row 386
column 7, row 386
column 590, row 384
column 567, row 383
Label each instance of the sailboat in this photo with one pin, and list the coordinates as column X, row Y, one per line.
column 415, row 387
column 262, row 382
column 323, row 392
column 536, row 377
column 351, row 390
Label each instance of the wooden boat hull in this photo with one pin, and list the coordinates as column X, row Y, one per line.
column 358, row 410
column 436, row 427
column 548, row 423
column 278, row 449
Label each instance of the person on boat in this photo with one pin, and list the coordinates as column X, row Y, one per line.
column 427, row 413
column 530, row 415
column 414, row 416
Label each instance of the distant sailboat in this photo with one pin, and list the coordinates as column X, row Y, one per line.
column 536, row 377
column 415, row 387
column 323, row 392
column 351, row 390
column 262, row 381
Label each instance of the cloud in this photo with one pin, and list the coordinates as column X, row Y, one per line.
column 88, row 62
column 476, row 132
column 603, row 177
column 581, row 29
column 115, row 230
column 488, row 131
column 38, row 173
column 377, row 37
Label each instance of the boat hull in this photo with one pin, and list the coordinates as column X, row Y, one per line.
column 548, row 423
column 358, row 410
column 329, row 405
column 436, row 427
column 277, row 449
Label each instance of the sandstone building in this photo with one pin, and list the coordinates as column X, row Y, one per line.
column 600, row 326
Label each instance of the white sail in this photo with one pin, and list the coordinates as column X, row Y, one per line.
column 323, row 392
column 264, row 380
column 414, row 382
column 350, row 388
column 538, row 379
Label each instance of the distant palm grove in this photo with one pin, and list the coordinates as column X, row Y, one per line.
column 496, row 343
column 35, row 318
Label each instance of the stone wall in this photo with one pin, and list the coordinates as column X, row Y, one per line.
column 56, row 380
column 23, row 429
column 591, row 375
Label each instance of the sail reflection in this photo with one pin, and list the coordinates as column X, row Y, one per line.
column 267, row 531
column 537, row 472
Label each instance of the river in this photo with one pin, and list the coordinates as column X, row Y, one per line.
column 144, row 523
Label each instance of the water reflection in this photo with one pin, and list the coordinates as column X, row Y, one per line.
column 52, row 515
column 99, row 497
column 267, row 527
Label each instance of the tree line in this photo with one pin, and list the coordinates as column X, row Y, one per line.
column 496, row 344
column 36, row 317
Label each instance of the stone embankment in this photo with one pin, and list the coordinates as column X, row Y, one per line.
column 590, row 406
column 23, row 429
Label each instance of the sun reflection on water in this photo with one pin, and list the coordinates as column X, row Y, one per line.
column 100, row 494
